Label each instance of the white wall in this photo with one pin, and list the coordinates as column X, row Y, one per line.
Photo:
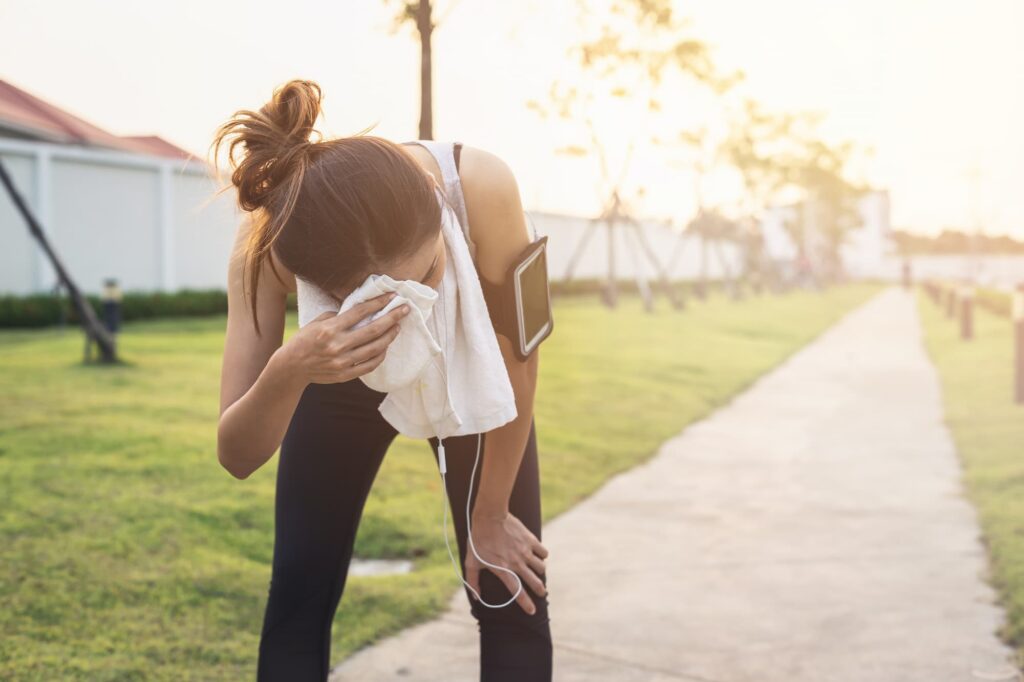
column 150, row 222
column 105, row 223
column 204, row 231
column 565, row 232
column 17, row 254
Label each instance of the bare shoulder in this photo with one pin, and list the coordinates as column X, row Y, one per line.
column 495, row 210
column 487, row 180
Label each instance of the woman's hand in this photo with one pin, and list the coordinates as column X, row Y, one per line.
column 328, row 351
column 505, row 541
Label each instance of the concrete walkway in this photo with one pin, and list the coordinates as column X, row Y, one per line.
column 814, row 529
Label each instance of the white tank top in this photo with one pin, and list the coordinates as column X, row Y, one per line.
column 444, row 153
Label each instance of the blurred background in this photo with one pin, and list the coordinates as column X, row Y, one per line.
column 721, row 183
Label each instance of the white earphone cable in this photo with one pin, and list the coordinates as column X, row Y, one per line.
column 469, row 529
column 443, row 466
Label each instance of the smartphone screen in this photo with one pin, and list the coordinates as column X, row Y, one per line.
column 535, row 302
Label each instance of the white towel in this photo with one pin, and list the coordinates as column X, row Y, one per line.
column 414, row 347
column 444, row 374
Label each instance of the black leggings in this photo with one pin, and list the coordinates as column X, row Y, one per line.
column 329, row 458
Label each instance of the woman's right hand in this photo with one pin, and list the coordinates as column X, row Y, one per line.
column 328, row 351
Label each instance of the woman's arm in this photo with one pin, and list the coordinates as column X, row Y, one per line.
column 496, row 213
column 258, row 391
column 262, row 381
column 501, row 234
column 504, row 446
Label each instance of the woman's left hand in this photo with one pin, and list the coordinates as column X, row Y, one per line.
column 502, row 539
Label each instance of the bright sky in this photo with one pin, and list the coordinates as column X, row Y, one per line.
column 933, row 86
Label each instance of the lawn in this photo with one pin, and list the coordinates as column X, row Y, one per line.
column 988, row 428
column 128, row 553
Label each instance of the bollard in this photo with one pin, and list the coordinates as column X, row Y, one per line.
column 111, row 300
column 701, row 290
column 966, row 297
column 950, row 302
column 1018, row 335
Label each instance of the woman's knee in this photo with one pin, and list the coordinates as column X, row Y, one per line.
column 493, row 591
column 516, row 647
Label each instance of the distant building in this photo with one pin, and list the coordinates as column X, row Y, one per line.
column 131, row 207
column 870, row 249
column 867, row 250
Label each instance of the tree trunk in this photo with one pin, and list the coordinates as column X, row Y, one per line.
column 93, row 328
column 426, row 29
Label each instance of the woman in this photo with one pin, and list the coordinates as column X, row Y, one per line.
column 331, row 213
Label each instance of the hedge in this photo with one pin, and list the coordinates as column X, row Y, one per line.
column 43, row 310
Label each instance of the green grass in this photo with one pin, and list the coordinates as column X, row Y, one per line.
column 128, row 553
column 988, row 428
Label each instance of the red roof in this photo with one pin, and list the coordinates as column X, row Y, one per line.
column 37, row 119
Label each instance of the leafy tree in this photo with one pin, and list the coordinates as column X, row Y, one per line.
column 781, row 158
column 623, row 66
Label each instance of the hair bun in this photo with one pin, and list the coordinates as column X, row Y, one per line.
column 293, row 110
column 275, row 140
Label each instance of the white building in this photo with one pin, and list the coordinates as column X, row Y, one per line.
column 868, row 250
column 137, row 209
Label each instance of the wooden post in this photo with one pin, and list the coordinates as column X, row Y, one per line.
column 966, row 312
column 1018, row 336
column 950, row 301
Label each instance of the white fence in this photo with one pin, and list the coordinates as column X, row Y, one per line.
column 146, row 221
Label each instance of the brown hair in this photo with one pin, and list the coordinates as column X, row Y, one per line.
column 332, row 210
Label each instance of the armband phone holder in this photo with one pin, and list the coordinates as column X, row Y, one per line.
column 520, row 304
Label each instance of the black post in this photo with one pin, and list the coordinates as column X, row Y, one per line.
column 112, row 308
